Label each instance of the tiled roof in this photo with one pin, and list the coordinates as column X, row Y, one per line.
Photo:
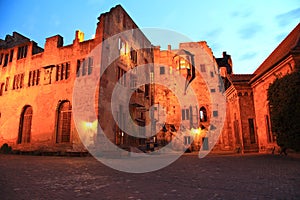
column 283, row 49
column 240, row 77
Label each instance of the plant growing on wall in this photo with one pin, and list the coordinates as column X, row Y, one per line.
column 284, row 102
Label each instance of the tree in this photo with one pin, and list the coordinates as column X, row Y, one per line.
column 284, row 102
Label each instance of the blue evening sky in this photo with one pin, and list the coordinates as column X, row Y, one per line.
column 248, row 30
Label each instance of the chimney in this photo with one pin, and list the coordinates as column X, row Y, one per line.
column 169, row 47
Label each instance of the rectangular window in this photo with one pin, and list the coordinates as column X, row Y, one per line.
column 212, row 74
column 78, row 68
column 33, row 78
column 22, row 81
column 62, row 72
column 29, row 79
column 37, row 77
column 215, row 113
column 122, row 47
column 6, row 83
column 147, row 89
column 133, row 55
column 162, row 70
column 121, row 76
column 14, row 82
column 11, row 55
column 83, row 67
column 1, row 89
column 151, row 77
column 251, row 131
column 1, row 58
column 5, row 60
column 22, row 52
column 57, row 77
column 187, row 140
column 90, row 65
column 185, row 114
column 202, row 68
column 67, row 70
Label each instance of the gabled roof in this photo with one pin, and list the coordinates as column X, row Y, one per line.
column 291, row 42
column 240, row 77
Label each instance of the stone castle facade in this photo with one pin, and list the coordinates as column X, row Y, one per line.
column 37, row 91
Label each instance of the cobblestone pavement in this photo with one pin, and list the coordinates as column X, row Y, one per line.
column 213, row 177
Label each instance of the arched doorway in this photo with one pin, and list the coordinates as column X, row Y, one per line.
column 25, row 125
column 203, row 114
column 63, row 123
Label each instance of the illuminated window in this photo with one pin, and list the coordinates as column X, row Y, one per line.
column 203, row 114
column 151, row 77
column 63, row 123
column 171, row 70
column 183, row 64
column 25, row 125
column 122, row 47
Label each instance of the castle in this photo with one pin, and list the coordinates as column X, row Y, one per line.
column 37, row 91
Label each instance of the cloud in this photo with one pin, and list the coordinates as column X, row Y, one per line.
column 215, row 33
column 249, row 31
column 286, row 18
column 248, row 56
column 241, row 14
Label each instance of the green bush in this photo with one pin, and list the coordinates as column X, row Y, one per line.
column 284, row 101
column 5, row 149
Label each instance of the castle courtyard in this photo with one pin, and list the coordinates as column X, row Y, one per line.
column 234, row 176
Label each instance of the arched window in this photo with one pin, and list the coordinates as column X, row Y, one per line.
column 63, row 123
column 203, row 114
column 25, row 125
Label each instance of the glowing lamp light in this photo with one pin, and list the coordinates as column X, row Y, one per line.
column 88, row 124
column 195, row 131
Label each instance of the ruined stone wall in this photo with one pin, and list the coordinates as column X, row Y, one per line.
column 201, row 86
